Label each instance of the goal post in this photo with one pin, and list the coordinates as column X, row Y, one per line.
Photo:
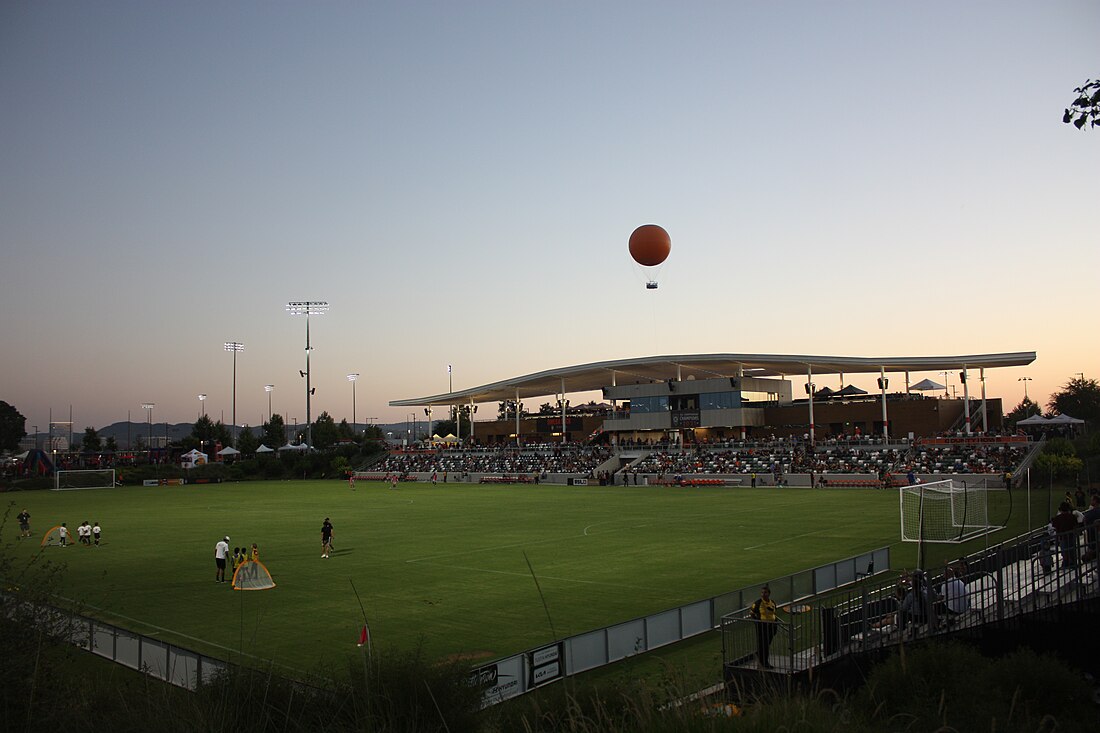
column 947, row 511
column 72, row 480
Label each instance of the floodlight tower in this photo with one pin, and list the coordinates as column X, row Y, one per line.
column 202, row 404
column 352, row 378
column 148, row 407
column 307, row 308
column 234, row 346
column 269, row 388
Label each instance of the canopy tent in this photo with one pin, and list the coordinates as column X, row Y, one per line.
column 851, row 391
column 1033, row 420
column 824, row 393
column 264, row 449
column 229, row 451
column 927, row 385
column 448, row 438
column 1063, row 420
column 299, row 447
column 192, row 458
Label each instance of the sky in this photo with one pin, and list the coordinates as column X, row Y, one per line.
column 459, row 182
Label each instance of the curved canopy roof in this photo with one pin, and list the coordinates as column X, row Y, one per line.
column 597, row 375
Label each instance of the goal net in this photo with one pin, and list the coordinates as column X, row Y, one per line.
column 944, row 511
column 84, row 479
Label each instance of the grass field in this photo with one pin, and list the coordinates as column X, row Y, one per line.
column 445, row 567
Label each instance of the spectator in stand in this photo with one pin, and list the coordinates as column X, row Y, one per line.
column 953, row 594
column 916, row 604
column 1064, row 523
column 1079, row 499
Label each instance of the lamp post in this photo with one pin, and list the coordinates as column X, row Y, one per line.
column 202, row 404
column 1025, row 380
column 352, row 378
column 269, row 388
column 148, row 407
column 307, row 308
column 234, row 346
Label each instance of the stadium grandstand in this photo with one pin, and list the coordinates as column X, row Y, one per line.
column 729, row 419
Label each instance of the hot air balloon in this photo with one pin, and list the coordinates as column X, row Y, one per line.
column 649, row 246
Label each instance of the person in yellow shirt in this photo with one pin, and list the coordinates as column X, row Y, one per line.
column 255, row 554
column 762, row 611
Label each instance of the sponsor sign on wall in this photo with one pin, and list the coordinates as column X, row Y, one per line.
column 545, row 665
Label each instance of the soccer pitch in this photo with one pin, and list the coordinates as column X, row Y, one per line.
column 447, row 567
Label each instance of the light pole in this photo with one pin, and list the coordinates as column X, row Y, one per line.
column 1025, row 380
column 202, row 404
column 307, row 308
column 148, row 407
column 234, row 346
column 352, row 378
column 269, row 388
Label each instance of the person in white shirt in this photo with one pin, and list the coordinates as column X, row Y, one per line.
column 95, row 533
column 221, row 552
column 63, row 533
column 955, row 597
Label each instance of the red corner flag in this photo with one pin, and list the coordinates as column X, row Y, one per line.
column 363, row 636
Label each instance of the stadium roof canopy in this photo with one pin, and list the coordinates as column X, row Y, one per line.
column 597, row 375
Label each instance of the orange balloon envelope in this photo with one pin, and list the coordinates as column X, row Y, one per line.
column 650, row 245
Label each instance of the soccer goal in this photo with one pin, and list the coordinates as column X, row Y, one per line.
column 944, row 511
column 84, row 479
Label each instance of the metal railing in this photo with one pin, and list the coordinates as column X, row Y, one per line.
column 1026, row 575
column 521, row 673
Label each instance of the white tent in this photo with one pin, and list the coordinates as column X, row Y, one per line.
column 264, row 449
column 299, row 447
column 926, row 385
column 229, row 451
column 1034, row 420
column 192, row 458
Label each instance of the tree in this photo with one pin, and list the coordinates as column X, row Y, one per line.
column 273, row 434
column 1085, row 110
column 344, row 431
column 13, row 426
column 1022, row 411
column 90, row 441
column 324, row 431
column 112, row 444
column 247, row 442
column 203, row 432
column 1079, row 398
column 222, row 434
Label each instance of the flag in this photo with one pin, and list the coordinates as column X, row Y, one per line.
column 363, row 635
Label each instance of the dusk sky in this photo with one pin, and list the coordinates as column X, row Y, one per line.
column 459, row 181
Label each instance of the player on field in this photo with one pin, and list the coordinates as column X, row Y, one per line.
column 326, row 538
column 24, row 524
column 221, row 552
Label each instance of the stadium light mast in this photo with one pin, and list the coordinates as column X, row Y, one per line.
column 269, row 388
column 234, row 346
column 307, row 308
column 148, row 407
column 352, row 378
column 1025, row 380
column 202, row 404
